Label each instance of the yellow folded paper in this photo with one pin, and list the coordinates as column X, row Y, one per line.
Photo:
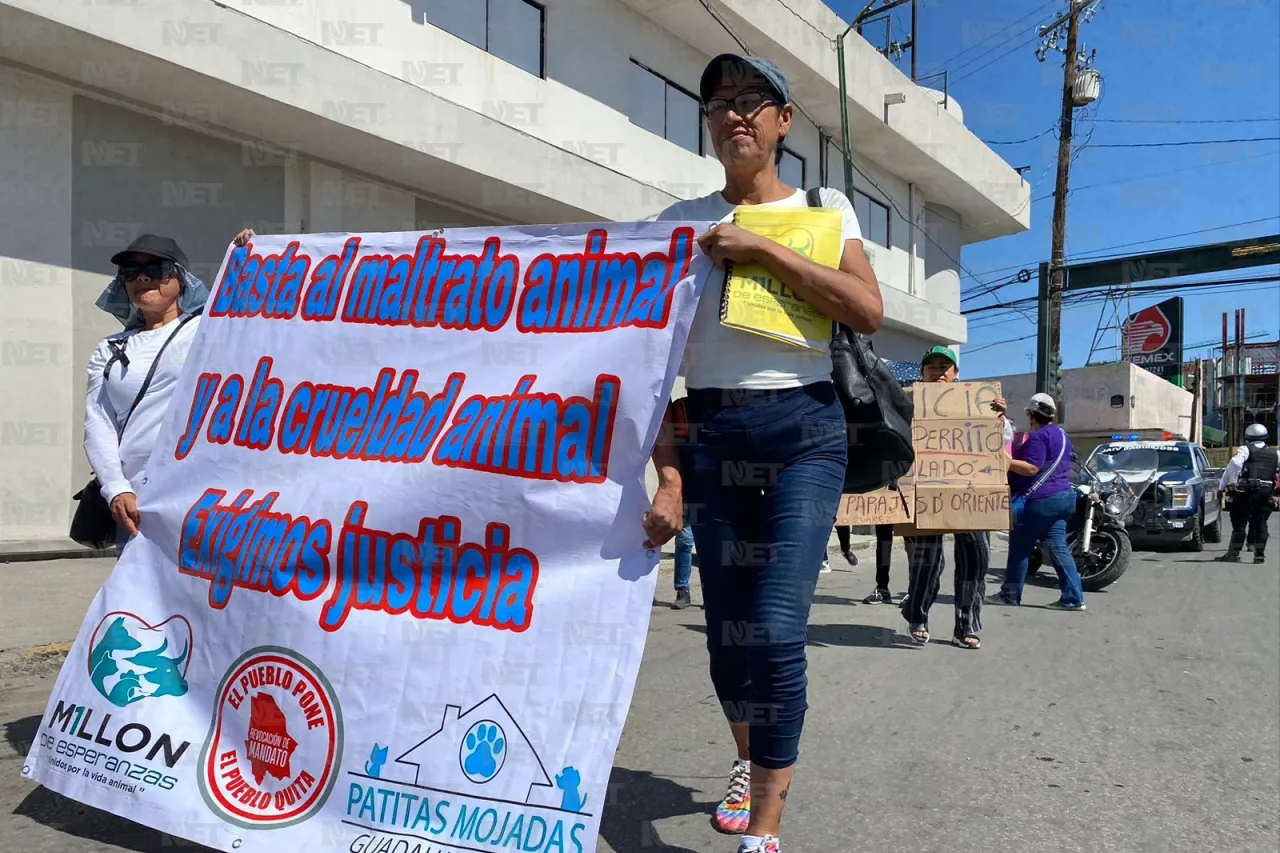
column 756, row 301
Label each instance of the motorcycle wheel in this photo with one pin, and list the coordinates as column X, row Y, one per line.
column 1108, row 558
column 1034, row 562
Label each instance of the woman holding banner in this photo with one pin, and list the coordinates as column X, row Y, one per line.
column 133, row 373
column 770, row 410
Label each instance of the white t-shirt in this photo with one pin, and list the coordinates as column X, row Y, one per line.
column 120, row 466
column 720, row 357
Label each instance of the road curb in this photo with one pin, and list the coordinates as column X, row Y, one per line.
column 30, row 550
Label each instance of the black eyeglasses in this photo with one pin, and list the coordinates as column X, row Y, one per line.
column 155, row 270
column 746, row 104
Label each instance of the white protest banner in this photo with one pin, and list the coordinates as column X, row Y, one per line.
column 391, row 592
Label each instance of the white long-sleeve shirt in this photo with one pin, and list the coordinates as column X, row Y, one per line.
column 120, row 463
column 1231, row 473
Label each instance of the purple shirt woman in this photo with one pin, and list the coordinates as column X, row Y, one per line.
column 1040, row 479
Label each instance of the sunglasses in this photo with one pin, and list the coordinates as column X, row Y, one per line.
column 154, row 270
column 746, row 104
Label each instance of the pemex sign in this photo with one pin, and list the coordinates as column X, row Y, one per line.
column 1152, row 338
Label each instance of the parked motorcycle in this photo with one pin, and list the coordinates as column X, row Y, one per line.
column 1105, row 498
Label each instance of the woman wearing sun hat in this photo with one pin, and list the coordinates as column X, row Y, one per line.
column 133, row 373
column 770, row 407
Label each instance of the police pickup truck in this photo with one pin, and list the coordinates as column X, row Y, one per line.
column 1182, row 504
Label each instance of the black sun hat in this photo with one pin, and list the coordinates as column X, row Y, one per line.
column 150, row 244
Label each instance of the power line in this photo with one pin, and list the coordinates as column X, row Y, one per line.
column 1017, row 47
column 1134, row 179
column 1057, row 19
column 803, row 20
column 1020, row 141
column 1148, row 241
column 1162, row 174
column 923, row 231
column 1028, row 337
column 742, row 45
column 971, row 350
column 1182, row 143
column 1037, row 11
column 1079, row 297
column 1205, row 344
column 1188, row 121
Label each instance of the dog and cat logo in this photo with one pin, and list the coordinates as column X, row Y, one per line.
column 131, row 659
column 469, row 752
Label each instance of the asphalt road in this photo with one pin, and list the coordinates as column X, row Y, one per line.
column 1149, row 723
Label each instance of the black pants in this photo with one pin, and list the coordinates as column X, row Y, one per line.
column 925, row 561
column 884, row 550
column 884, row 554
column 1249, row 512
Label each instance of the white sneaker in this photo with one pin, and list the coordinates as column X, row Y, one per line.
column 768, row 844
column 826, row 566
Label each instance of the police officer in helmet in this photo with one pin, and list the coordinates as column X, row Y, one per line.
column 1248, row 482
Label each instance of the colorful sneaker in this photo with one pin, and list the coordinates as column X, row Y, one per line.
column 768, row 844
column 734, row 811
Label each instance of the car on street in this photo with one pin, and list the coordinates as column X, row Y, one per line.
column 1182, row 504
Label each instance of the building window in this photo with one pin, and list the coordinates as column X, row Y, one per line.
column 663, row 108
column 512, row 30
column 792, row 168
column 873, row 218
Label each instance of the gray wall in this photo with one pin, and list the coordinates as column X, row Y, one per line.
column 134, row 174
column 941, row 275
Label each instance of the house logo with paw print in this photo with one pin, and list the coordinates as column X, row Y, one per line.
column 481, row 751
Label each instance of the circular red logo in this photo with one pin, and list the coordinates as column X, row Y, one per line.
column 275, row 743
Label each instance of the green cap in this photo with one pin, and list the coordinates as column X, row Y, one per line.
column 946, row 352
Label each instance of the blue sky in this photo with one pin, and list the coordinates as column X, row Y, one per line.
column 1161, row 60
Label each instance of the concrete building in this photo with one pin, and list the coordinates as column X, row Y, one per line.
column 1108, row 399
column 196, row 118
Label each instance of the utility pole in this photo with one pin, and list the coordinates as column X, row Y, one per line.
column 1058, row 258
column 1049, row 376
column 1197, row 404
column 915, row 36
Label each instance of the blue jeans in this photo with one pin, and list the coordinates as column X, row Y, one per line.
column 1043, row 518
column 122, row 538
column 762, row 482
column 684, row 555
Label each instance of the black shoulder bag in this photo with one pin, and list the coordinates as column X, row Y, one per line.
column 93, row 525
column 876, row 408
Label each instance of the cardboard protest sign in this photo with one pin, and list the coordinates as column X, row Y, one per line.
column 391, row 591
column 881, row 506
column 960, row 471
